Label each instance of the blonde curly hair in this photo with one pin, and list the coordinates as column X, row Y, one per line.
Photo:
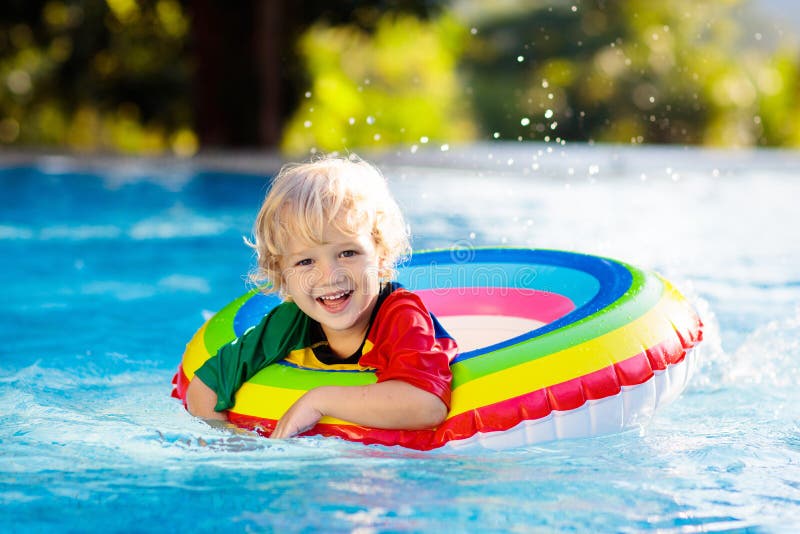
column 304, row 198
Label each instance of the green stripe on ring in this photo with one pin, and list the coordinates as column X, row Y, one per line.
column 288, row 377
column 220, row 327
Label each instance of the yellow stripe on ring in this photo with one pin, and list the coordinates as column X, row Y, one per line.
column 196, row 353
column 618, row 345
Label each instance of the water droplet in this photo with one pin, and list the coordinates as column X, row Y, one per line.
column 574, row 9
column 377, row 137
column 414, row 149
column 473, row 31
column 594, row 169
column 520, row 59
column 548, row 114
column 307, row 124
column 308, row 94
column 351, row 120
column 545, row 84
column 472, row 235
column 370, row 119
column 525, row 121
column 423, row 139
column 444, row 148
column 554, row 125
column 510, row 162
column 496, row 135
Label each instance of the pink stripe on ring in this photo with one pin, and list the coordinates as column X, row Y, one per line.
column 503, row 301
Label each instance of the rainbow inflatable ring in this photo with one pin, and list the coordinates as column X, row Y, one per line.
column 554, row 345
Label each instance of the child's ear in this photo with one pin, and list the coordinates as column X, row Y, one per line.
column 383, row 270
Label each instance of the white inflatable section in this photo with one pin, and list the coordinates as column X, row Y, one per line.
column 633, row 406
column 476, row 331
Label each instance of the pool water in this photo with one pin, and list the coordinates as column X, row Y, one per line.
column 110, row 266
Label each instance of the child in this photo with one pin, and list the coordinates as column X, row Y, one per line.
column 328, row 236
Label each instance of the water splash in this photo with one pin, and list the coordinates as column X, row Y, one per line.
column 769, row 356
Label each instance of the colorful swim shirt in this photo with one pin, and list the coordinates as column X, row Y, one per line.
column 404, row 342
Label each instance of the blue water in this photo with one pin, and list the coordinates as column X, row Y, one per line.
column 108, row 267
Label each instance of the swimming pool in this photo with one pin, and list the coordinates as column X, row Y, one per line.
column 110, row 266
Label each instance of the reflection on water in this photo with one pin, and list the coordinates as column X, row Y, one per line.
column 105, row 279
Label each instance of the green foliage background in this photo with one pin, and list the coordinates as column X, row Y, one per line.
column 96, row 75
column 684, row 71
column 117, row 75
column 398, row 85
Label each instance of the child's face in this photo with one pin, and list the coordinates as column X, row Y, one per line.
column 335, row 283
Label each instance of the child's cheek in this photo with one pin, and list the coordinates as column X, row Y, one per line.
column 299, row 282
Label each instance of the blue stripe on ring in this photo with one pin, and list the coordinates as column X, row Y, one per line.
column 253, row 310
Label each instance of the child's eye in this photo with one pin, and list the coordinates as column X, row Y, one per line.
column 349, row 253
column 304, row 263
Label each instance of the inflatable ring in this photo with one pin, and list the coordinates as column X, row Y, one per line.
column 553, row 345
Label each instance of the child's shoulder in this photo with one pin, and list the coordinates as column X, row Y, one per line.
column 404, row 316
column 401, row 302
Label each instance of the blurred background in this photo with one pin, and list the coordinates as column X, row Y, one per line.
column 175, row 77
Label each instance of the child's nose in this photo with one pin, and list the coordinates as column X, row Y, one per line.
column 328, row 271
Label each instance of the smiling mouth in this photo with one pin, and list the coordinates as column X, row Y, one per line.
column 335, row 301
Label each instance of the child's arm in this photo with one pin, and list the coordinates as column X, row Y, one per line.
column 201, row 400
column 393, row 404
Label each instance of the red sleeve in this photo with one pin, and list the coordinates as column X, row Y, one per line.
column 405, row 346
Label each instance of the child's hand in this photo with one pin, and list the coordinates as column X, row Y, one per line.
column 301, row 416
